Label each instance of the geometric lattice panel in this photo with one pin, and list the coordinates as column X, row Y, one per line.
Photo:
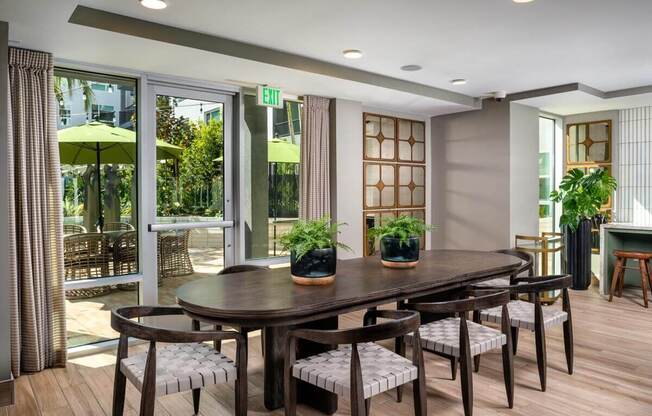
column 379, row 137
column 411, row 141
column 589, row 142
column 411, row 186
column 380, row 185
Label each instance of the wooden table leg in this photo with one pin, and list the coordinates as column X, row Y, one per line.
column 275, row 339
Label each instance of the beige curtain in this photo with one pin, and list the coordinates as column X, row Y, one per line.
column 314, row 190
column 38, row 328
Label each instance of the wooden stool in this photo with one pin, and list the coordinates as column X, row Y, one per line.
column 618, row 278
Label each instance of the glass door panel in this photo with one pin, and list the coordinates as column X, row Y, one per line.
column 193, row 219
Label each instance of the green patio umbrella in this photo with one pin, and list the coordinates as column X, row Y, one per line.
column 279, row 151
column 97, row 143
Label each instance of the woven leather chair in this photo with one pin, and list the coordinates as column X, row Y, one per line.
column 73, row 229
column 358, row 368
column 185, row 363
column 535, row 317
column 456, row 339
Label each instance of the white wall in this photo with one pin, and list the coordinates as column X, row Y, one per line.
column 347, row 169
column 524, row 170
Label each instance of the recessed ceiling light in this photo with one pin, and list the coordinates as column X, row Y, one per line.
column 352, row 53
column 458, row 81
column 411, row 68
column 522, row 1
column 154, row 4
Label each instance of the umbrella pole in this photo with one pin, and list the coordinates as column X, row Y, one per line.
column 100, row 218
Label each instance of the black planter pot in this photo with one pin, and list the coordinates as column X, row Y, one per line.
column 578, row 254
column 317, row 267
column 399, row 256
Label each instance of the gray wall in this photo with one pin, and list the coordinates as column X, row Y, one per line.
column 484, row 176
column 5, row 353
column 524, row 171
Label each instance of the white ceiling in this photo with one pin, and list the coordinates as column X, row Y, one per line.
column 578, row 102
column 495, row 44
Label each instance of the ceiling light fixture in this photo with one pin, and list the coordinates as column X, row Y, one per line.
column 411, row 68
column 352, row 53
column 458, row 81
column 522, row 1
column 154, row 4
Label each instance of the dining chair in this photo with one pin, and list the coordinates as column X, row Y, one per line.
column 535, row 317
column 184, row 363
column 173, row 255
column 117, row 226
column 73, row 229
column 527, row 265
column 125, row 253
column 239, row 268
column 457, row 339
column 358, row 368
column 86, row 256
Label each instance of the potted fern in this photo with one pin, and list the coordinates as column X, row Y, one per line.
column 399, row 240
column 313, row 251
column 581, row 196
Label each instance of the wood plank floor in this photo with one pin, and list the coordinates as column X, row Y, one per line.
column 613, row 376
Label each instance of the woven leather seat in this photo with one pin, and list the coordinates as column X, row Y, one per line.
column 444, row 337
column 382, row 370
column 521, row 315
column 181, row 367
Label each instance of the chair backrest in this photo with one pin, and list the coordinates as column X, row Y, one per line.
column 89, row 244
column 73, row 229
column 537, row 284
column 485, row 299
column 117, row 226
column 241, row 268
column 526, row 265
column 400, row 322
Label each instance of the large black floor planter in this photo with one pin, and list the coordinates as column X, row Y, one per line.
column 578, row 254
column 317, row 267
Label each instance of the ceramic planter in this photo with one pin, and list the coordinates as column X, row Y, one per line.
column 317, row 267
column 395, row 255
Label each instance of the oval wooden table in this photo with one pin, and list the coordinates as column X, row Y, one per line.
column 269, row 299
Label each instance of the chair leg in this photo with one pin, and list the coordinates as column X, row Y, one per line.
column 615, row 277
column 453, row 368
column 621, row 279
column 367, row 406
column 241, row 394
column 290, row 394
column 399, row 348
column 514, row 339
column 120, row 380
column 540, row 341
column 262, row 341
column 508, row 373
column 195, row 400
column 476, row 359
column 148, row 393
column 642, row 264
column 466, row 378
column 217, row 344
column 568, row 334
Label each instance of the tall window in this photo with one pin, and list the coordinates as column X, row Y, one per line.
column 97, row 148
column 546, row 174
column 271, row 159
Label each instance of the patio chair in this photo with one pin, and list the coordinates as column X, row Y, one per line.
column 125, row 257
column 185, row 363
column 86, row 256
column 73, row 229
column 117, row 226
column 173, row 255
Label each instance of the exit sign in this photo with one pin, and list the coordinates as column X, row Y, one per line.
column 269, row 96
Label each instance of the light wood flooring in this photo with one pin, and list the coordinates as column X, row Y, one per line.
column 613, row 376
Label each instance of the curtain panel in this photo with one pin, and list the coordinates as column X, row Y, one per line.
column 38, row 328
column 314, row 182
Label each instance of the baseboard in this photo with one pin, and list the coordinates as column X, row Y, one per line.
column 7, row 392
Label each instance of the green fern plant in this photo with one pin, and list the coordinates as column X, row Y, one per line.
column 306, row 236
column 582, row 195
column 402, row 227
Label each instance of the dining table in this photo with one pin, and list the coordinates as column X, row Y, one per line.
column 269, row 299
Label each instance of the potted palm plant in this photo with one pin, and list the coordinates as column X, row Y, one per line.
column 581, row 196
column 313, row 251
column 399, row 240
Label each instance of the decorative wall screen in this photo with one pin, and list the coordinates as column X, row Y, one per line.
column 394, row 170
